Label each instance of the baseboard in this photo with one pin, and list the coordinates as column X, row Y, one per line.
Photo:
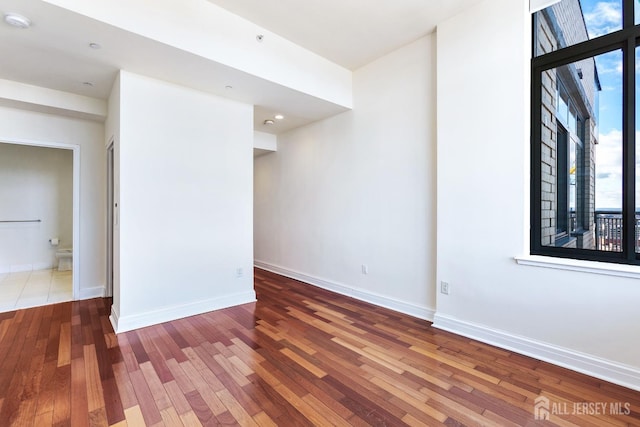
column 88, row 293
column 166, row 314
column 19, row 268
column 42, row 266
column 359, row 294
column 607, row 370
column 113, row 318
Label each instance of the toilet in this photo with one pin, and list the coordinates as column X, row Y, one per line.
column 65, row 259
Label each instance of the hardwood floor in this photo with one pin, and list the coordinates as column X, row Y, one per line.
column 299, row 356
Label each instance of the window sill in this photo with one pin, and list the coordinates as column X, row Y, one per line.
column 594, row 267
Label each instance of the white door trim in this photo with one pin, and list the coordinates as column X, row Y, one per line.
column 108, row 291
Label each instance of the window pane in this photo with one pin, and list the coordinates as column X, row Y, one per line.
column 581, row 154
column 569, row 22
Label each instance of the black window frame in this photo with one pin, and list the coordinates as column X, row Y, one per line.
column 563, row 229
column 627, row 40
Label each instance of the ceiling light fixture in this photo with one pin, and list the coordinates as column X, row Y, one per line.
column 95, row 46
column 268, row 122
column 278, row 117
column 17, row 21
column 88, row 84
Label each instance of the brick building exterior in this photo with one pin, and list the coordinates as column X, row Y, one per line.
column 569, row 132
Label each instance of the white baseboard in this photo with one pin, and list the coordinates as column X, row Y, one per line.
column 359, row 294
column 113, row 318
column 42, row 266
column 607, row 370
column 166, row 314
column 88, row 293
column 19, row 268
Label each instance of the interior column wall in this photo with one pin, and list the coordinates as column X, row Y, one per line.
column 185, row 196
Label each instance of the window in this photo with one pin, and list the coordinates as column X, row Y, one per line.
column 585, row 166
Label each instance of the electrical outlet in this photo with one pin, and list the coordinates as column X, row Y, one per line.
column 444, row 288
column 365, row 269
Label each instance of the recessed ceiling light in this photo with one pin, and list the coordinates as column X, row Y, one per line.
column 88, row 84
column 279, row 117
column 17, row 21
column 94, row 46
column 268, row 122
column 228, row 87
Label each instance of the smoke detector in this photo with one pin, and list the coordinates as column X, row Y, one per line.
column 17, row 21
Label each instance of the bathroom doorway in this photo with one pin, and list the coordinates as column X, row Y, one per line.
column 38, row 221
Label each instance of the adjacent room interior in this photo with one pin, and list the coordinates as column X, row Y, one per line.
column 36, row 186
column 369, row 178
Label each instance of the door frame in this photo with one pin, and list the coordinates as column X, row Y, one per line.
column 108, row 291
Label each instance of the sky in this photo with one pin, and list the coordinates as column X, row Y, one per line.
column 603, row 17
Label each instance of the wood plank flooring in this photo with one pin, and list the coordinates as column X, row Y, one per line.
column 300, row 356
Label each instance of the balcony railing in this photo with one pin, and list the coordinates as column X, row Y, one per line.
column 608, row 225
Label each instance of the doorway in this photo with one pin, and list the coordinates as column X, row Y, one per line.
column 39, row 220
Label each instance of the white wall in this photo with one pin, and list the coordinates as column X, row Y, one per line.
column 265, row 141
column 39, row 128
column 185, row 193
column 359, row 188
column 584, row 321
column 36, row 183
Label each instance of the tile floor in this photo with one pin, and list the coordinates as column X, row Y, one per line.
column 33, row 288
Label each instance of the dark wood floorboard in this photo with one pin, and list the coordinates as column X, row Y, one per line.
column 300, row 356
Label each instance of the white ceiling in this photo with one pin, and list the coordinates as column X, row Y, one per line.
column 55, row 53
column 350, row 33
